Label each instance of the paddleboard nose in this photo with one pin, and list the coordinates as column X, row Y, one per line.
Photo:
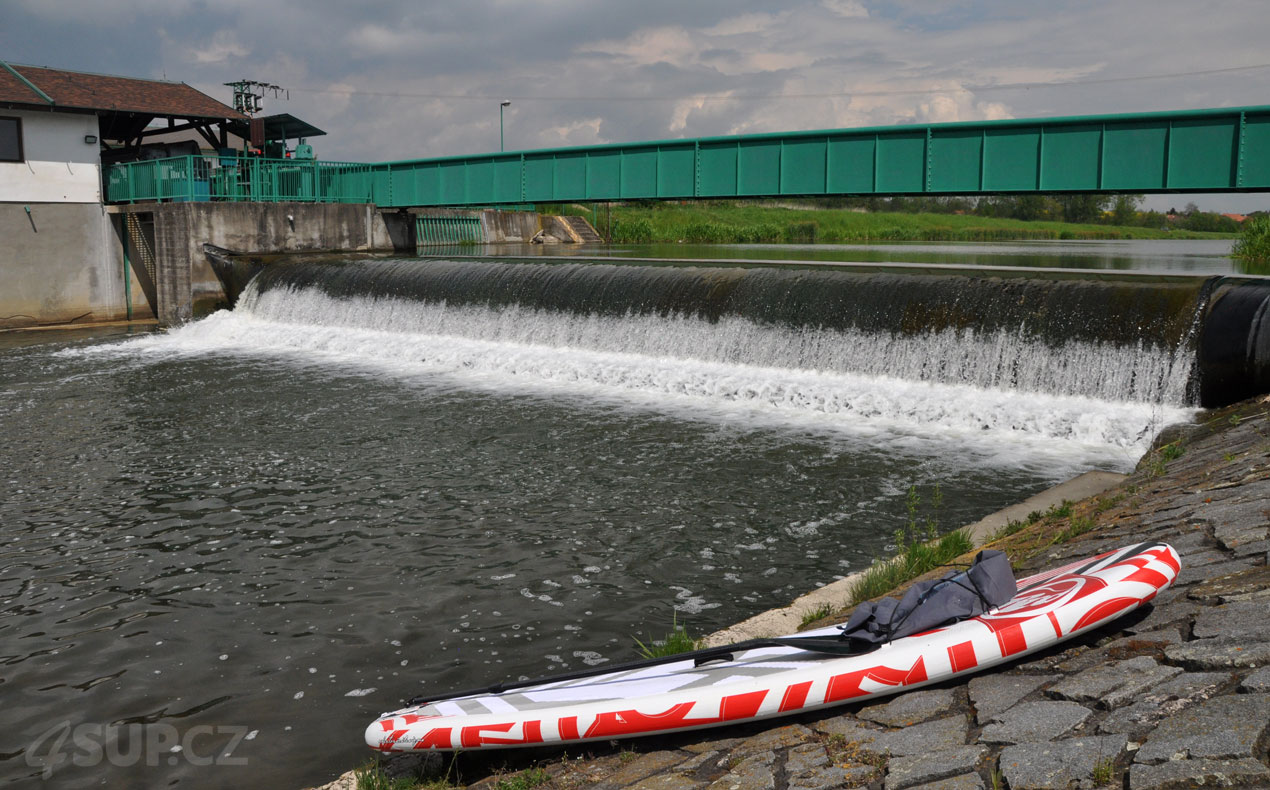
column 379, row 734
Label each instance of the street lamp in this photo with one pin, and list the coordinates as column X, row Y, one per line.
column 505, row 103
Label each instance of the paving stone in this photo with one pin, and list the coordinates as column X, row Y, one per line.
column 1151, row 644
column 1164, row 700
column 1113, row 685
column 1188, row 774
column 1243, row 621
column 1218, row 654
column 1193, row 541
column 993, row 694
column 1050, row 766
column 1233, row 586
column 752, row 774
column 1163, row 614
column 1035, row 721
column 806, row 757
column 1197, row 559
column 849, row 727
column 960, row 782
column 696, row 762
column 712, row 745
column 1207, row 573
column 667, row 782
column 910, row 708
column 922, row 738
column 1258, row 681
column 1222, row 728
column 831, row 776
column 1236, row 522
column 644, row 766
column 775, row 738
column 904, row 772
column 1251, row 549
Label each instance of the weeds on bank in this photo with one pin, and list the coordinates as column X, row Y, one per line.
column 1104, row 771
column 919, row 550
column 822, row 611
column 526, row 779
column 371, row 777
column 1160, row 457
column 672, row 644
column 1054, row 513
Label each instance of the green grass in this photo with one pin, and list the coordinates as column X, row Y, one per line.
column 919, row 549
column 1078, row 526
column 672, row 644
column 822, row 611
column 371, row 777
column 530, row 777
column 1054, row 513
column 721, row 222
column 912, row 561
column 1104, row 771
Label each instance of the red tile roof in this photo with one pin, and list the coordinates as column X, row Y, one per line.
column 78, row 90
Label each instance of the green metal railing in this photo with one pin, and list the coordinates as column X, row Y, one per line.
column 237, row 179
column 1221, row 150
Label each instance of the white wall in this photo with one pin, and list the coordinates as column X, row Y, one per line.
column 60, row 167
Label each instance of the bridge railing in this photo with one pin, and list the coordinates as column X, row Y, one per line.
column 237, row 179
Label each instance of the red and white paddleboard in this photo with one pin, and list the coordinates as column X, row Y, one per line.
column 765, row 682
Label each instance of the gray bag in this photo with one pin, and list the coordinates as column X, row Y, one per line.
column 959, row 595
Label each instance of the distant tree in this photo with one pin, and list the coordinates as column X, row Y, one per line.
column 1030, row 207
column 1190, row 209
column 1081, row 208
column 1211, row 222
column 1124, row 209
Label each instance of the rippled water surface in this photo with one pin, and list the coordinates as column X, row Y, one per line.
column 282, row 525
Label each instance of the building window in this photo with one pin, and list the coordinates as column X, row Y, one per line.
column 10, row 139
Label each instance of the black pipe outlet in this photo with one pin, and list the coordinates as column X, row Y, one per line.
column 1234, row 345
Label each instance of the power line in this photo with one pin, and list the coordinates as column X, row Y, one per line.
column 986, row 88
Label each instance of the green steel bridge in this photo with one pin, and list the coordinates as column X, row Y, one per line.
column 1217, row 150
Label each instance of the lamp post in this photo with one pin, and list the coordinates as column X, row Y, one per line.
column 505, row 104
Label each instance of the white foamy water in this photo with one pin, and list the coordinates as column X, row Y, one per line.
column 1003, row 395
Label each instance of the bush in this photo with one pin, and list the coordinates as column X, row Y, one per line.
column 802, row 232
column 632, row 231
column 1254, row 241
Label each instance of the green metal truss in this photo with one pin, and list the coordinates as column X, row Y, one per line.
column 1218, row 150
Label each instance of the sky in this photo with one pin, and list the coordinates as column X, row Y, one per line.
column 406, row 79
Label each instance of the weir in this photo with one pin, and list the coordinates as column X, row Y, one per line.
column 1152, row 339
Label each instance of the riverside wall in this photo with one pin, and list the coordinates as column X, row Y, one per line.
column 87, row 263
column 62, row 263
column 1175, row 695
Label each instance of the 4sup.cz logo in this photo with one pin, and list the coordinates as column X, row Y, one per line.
column 88, row 745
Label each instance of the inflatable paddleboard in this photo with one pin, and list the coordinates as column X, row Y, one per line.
column 766, row 682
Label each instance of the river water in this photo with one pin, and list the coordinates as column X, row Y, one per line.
column 229, row 546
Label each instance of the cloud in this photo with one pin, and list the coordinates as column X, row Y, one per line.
column 851, row 9
column 671, row 45
column 224, row 45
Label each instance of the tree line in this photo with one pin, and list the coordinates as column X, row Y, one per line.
column 1121, row 210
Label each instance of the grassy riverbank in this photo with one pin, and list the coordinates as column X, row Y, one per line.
column 750, row 223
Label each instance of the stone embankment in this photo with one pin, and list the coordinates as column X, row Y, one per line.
column 1174, row 696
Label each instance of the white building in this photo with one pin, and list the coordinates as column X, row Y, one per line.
column 65, row 257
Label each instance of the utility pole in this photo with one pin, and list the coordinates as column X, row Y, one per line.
column 506, row 103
